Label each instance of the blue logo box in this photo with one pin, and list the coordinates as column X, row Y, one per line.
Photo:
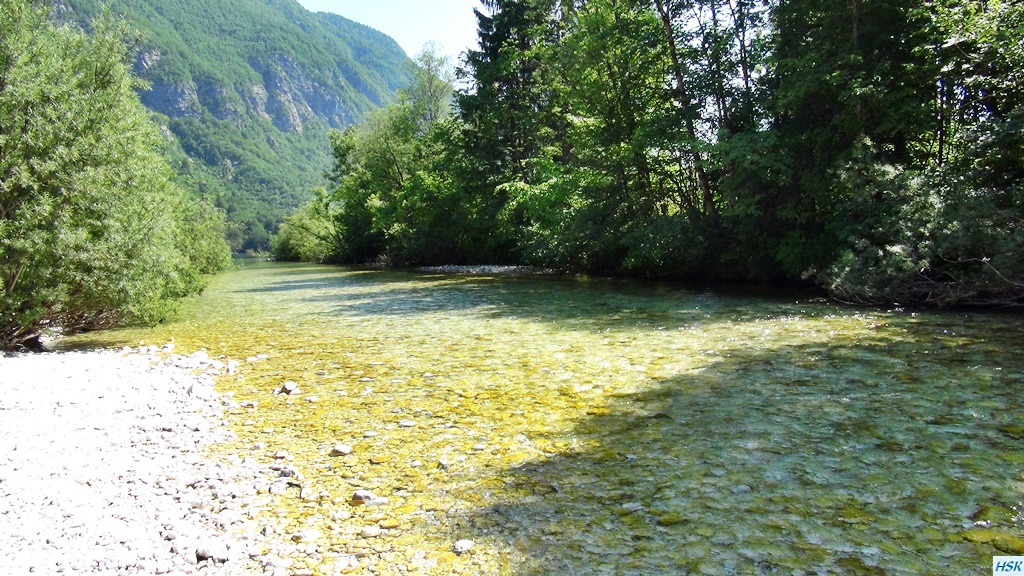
column 1007, row 565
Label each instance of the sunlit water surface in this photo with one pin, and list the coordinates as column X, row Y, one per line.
column 608, row 427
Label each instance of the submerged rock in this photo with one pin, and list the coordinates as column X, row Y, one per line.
column 341, row 450
column 463, row 546
column 306, row 536
column 363, row 497
column 1003, row 541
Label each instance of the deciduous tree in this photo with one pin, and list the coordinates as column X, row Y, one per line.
column 92, row 229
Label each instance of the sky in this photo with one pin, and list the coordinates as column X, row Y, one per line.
column 412, row 23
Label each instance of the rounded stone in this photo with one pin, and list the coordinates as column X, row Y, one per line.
column 306, row 536
column 463, row 546
column 362, row 497
column 341, row 450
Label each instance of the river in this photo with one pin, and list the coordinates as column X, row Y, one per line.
column 583, row 426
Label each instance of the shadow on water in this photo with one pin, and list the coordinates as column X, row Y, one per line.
column 840, row 458
column 578, row 303
column 265, row 296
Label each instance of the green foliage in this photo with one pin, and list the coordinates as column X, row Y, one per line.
column 394, row 196
column 92, row 229
column 951, row 233
column 309, row 234
column 872, row 147
column 223, row 77
column 934, row 240
column 509, row 112
column 844, row 79
column 228, row 42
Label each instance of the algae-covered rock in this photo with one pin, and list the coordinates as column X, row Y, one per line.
column 1015, row 431
column 991, row 514
column 854, row 515
column 1003, row 541
column 671, row 519
column 857, row 567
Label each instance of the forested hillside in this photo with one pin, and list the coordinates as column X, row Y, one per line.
column 93, row 230
column 873, row 147
column 247, row 90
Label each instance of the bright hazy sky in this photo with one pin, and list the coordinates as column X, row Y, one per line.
column 412, row 23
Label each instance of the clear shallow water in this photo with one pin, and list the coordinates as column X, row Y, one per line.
column 607, row 427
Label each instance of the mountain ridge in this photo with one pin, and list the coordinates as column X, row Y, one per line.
column 247, row 90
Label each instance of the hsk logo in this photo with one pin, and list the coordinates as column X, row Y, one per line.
column 1007, row 565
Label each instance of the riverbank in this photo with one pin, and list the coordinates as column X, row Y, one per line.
column 106, row 468
column 491, row 270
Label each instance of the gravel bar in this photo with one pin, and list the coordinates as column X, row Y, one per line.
column 105, row 468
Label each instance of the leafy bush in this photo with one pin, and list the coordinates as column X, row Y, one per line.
column 309, row 234
column 945, row 236
column 92, row 230
column 951, row 233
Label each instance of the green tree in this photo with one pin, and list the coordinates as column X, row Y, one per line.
column 849, row 81
column 595, row 179
column 873, row 147
column 510, row 109
column 393, row 196
column 92, row 229
column 311, row 233
column 949, row 233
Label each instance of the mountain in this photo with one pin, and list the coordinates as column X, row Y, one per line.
column 246, row 91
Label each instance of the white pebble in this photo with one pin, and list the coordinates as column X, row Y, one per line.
column 463, row 546
column 341, row 450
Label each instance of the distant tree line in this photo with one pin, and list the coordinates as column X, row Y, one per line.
column 873, row 147
column 93, row 230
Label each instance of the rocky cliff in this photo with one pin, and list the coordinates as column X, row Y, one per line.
column 247, row 89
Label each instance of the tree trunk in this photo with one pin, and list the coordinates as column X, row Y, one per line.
column 686, row 104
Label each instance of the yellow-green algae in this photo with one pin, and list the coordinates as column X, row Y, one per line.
column 608, row 427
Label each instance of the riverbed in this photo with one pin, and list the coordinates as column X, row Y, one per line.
column 540, row 425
